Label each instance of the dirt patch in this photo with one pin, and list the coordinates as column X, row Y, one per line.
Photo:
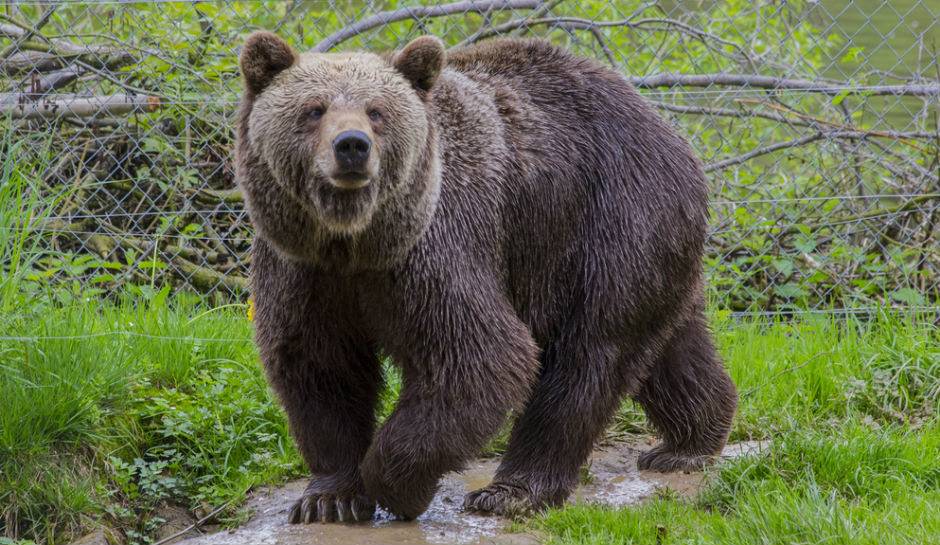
column 613, row 479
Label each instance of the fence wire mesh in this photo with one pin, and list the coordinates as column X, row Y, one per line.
column 817, row 123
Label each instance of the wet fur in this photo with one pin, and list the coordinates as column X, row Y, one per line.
column 535, row 246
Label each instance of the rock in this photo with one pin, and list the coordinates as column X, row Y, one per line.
column 177, row 520
column 101, row 536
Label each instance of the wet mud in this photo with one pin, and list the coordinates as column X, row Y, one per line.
column 613, row 480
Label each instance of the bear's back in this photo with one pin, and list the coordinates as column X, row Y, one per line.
column 559, row 113
column 578, row 173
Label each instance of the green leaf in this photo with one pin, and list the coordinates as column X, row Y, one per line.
column 908, row 296
column 790, row 290
column 804, row 243
column 784, row 266
column 836, row 100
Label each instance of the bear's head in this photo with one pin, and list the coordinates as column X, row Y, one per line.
column 337, row 145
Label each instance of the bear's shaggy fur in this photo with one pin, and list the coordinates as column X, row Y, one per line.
column 514, row 226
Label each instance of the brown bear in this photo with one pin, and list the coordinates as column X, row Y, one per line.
column 513, row 226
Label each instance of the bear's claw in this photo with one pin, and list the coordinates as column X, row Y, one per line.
column 334, row 498
column 504, row 499
column 330, row 508
column 664, row 460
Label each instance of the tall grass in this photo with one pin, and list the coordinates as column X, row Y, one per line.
column 822, row 370
column 113, row 408
column 22, row 206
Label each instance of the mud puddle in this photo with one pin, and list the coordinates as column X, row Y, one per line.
column 614, row 480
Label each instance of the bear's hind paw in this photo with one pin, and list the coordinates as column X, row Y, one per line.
column 664, row 460
column 503, row 499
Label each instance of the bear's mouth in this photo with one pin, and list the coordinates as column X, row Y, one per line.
column 345, row 205
column 350, row 180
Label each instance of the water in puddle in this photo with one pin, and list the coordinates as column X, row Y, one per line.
column 614, row 481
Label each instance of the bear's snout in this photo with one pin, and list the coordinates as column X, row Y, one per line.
column 351, row 151
column 347, row 154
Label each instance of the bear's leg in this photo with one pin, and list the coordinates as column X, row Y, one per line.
column 690, row 399
column 325, row 374
column 456, row 393
column 578, row 392
column 331, row 418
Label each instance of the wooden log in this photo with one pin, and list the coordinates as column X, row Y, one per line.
column 24, row 106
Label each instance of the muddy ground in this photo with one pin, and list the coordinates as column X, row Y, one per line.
column 614, row 480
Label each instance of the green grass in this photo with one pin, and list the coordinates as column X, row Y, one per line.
column 842, row 486
column 112, row 408
column 849, row 407
column 21, row 207
column 818, row 369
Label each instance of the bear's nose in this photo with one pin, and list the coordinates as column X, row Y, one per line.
column 351, row 149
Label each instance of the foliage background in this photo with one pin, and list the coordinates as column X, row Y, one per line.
column 825, row 176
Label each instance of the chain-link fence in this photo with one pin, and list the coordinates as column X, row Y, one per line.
column 817, row 122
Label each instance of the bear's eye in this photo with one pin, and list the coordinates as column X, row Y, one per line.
column 374, row 115
column 316, row 113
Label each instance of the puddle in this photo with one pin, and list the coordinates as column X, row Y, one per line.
column 614, row 480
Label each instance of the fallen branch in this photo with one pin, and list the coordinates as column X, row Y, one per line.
column 106, row 74
column 18, row 105
column 104, row 244
column 565, row 23
column 224, row 196
column 820, row 121
column 54, row 80
column 198, row 523
column 538, row 12
column 593, row 26
column 204, row 278
column 764, row 151
column 904, row 161
column 812, row 138
column 727, row 112
column 30, row 61
column 27, row 33
column 419, row 12
column 62, row 50
column 15, row 30
column 605, row 47
column 780, row 84
column 822, row 223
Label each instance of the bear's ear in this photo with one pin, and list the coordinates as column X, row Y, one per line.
column 264, row 56
column 421, row 62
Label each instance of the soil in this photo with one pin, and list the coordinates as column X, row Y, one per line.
column 612, row 479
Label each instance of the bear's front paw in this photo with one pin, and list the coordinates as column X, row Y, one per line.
column 398, row 484
column 665, row 460
column 325, row 500
column 504, row 499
